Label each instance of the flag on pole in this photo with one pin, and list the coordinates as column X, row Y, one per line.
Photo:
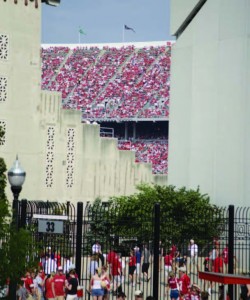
column 129, row 28
column 81, row 31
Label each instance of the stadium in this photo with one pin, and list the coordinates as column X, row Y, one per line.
column 124, row 88
column 90, row 121
column 196, row 137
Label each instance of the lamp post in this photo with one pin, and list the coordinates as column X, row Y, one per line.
column 16, row 177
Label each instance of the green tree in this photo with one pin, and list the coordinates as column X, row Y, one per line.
column 17, row 248
column 184, row 214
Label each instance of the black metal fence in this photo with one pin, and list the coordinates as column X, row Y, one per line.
column 223, row 233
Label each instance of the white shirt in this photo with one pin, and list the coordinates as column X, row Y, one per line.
column 96, row 248
column 193, row 250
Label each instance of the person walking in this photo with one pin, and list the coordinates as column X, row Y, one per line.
column 168, row 263
column 173, row 286
column 138, row 264
column 97, row 249
column 49, row 287
column 145, row 262
column 59, row 284
column 96, row 288
column 138, row 295
column 121, row 296
column 193, row 256
column 71, row 286
column 40, row 282
column 184, row 284
column 132, row 267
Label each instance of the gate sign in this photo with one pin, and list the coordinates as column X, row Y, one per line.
column 50, row 226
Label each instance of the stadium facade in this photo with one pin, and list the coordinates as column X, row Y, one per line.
column 63, row 158
column 209, row 136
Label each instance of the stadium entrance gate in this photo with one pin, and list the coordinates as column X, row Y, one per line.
column 67, row 234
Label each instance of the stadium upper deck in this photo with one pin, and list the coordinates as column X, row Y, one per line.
column 127, row 81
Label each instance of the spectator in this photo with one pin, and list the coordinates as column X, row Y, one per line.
column 173, row 285
column 138, row 295
column 71, row 285
column 145, row 262
column 184, row 283
column 59, row 284
column 132, row 267
column 49, row 286
column 40, row 281
column 193, row 255
column 96, row 287
column 121, row 296
column 138, row 264
column 97, row 249
column 245, row 292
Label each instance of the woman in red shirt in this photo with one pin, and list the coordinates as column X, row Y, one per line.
column 49, row 287
column 132, row 267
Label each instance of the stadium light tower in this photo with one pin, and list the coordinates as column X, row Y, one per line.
column 52, row 2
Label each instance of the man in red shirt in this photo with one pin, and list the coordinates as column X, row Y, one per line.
column 225, row 257
column 168, row 262
column 218, row 264
column 28, row 283
column 59, row 284
column 184, row 283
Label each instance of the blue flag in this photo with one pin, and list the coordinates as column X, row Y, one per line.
column 129, row 28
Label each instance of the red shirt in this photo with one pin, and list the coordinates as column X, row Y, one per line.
column 48, row 288
column 173, row 282
column 111, row 257
column 168, row 260
column 132, row 261
column 115, row 267
column 184, row 284
column 59, row 281
column 27, row 282
column 225, row 255
column 218, row 265
column 58, row 260
column 173, row 250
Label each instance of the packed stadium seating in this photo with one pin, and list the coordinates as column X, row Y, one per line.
column 109, row 83
column 152, row 151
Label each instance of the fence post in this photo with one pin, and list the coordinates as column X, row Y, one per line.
column 156, row 250
column 79, row 238
column 23, row 213
column 231, row 247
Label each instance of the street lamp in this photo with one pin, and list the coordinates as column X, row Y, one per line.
column 16, row 177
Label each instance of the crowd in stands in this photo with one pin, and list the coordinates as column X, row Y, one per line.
column 52, row 59
column 149, row 151
column 114, row 83
column 110, row 83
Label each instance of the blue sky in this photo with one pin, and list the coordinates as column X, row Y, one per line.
column 103, row 21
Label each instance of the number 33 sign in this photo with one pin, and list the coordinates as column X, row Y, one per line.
column 49, row 226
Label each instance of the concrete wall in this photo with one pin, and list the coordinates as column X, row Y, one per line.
column 180, row 9
column 63, row 158
column 210, row 103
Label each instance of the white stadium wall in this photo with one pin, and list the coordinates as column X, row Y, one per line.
column 179, row 11
column 209, row 139
column 64, row 159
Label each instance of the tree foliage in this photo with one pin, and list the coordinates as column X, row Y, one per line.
column 4, row 207
column 184, row 214
column 17, row 250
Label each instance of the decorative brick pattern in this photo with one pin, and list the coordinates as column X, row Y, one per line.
column 4, row 47
column 50, row 156
column 70, row 157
